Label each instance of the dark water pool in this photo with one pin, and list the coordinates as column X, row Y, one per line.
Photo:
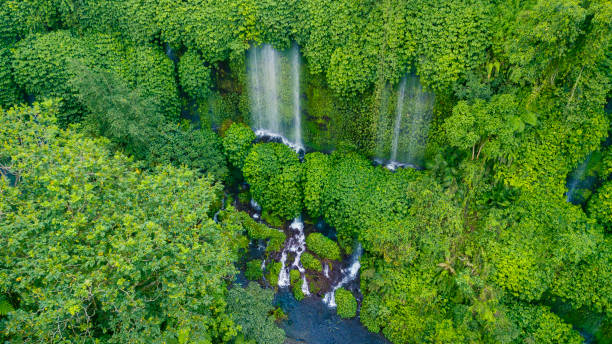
column 310, row 321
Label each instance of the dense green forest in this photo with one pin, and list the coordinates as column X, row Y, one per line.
column 134, row 183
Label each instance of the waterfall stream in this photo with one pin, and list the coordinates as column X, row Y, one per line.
column 349, row 274
column 274, row 89
column 402, row 131
column 297, row 245
column 398, row 119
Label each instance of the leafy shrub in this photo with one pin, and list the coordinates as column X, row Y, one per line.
column 346, row 303
column 237, row 143
column 323, row 246
column 43, row 68
column 194, row 75
column 198, row 149
column 256, row 230
column 250, row 308
column 297, row 291
column 600, row 205
column 253, row 270
column 310, row 262
column 97, row 207
column 273, row 271
column 274, row 173
column 9, row 92
column 279, row 315
column 294, row 277
column 271, row 219
column 316, row 169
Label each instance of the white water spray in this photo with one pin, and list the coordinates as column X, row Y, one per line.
column 297, row 114
column 348, row 275
column 402, row 137
column 274, row 88
column 296, row 244
column 399, row 109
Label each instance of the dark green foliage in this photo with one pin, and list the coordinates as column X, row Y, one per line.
column 346, row 303
column 273, row 271
column 600, row 205
column 294, row 277
column 316, row 169
column 322, row 246
column 251, row 308
column 194, row 76
column 9, row 93
column 274, row 173
column 237, row 142
column 467, row 251
column 43, row 68
column 253, row 270
column 256, row 230
column 296, row 284
column 539, row 325
column 297, row 291
column 310, row 262
column 114, row 110
column 199, row 149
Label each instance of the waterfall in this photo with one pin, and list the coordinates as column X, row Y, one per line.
column 297, row 114
column 399, row 109
column 349, row 274
column 575, row 179
column 296, row 244
column 401, row 141
column 274, row 89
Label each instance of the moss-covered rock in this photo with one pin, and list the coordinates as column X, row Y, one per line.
column 323, row 246
column 310, row 262
column 273, row 271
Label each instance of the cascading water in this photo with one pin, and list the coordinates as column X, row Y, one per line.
column 349, row 274
column 297, row 113
column 274, row 88
column 398, row 119
column 401, row 141
column 578, row 180
column 296, row 244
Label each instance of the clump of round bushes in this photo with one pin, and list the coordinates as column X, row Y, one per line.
column 323, row 246
column 346, row 303
column 253, row 270
column 310, row 262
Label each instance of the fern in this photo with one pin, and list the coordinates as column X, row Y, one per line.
column 5, row 306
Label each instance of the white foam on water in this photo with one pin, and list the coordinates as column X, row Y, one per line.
column 296, row 244
column 348, row 275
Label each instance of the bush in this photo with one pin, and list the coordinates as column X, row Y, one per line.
column 346, row 303
column 199, row 149
column 274, row 173
column 253, row 270
column 600, row 205
column 294, row 277
column 237, row 143
column 9, row 93
column 273, row 271
column 258, row 231
column 310, row 262
column 323, row 246
column 250, row 308
column 316, row 170
column 194, row 75
column 271, row 219
column 297, row 291
column 94, row 207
